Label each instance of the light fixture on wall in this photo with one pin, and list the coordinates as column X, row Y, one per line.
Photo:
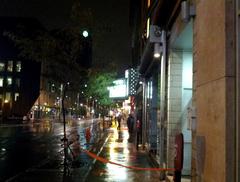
column 187, row 11
column 157, row 50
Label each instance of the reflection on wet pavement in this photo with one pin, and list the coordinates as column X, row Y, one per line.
column 33, row 151
column 120, row 151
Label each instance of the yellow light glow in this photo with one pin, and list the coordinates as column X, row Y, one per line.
column 6, row 101
column 118, row 152
column 148, row 27
column 157, row 55
column 148, row 3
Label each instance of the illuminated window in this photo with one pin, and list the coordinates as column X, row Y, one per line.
column 17, row 82
column 10, row 66
column 9, row 81
column 1, row 81
column 7, row 97
column 148, row 3
column 2, row 66
column 16, row 95
column 18, row 66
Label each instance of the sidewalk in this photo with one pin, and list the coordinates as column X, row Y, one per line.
column 117, row 149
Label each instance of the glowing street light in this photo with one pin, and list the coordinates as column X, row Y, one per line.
column 85, row 33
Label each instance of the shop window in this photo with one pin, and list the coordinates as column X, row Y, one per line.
column 18, row 66
column 10, row 66
column 1, row 81
column 16, row 96
column 2, row 66
column 9, row 81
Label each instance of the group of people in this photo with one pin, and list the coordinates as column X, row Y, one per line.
column 133, row 124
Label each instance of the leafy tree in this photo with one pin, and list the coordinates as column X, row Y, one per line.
column 98, row 84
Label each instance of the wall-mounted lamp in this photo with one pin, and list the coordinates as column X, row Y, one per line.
column 157, row 50
column 187, row 11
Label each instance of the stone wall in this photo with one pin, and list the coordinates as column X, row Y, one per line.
column 214, row 77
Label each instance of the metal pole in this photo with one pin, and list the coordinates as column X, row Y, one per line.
column 144, row 114
column 237, row 148
column 162, row 104
column 63, row 110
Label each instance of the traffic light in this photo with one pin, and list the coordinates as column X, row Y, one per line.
column 85, row 58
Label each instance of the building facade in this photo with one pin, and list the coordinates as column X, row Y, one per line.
column 192, row 87
column 19, row 78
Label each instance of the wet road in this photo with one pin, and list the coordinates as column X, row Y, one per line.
column 33, row 150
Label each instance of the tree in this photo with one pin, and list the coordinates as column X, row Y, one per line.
column 98, row 84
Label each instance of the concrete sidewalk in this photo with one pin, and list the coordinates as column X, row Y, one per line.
column 117, row 149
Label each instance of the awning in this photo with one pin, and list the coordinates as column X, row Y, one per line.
column 148, row 62
column 146, row 58
column 163, row 15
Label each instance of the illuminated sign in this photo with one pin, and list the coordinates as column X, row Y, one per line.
column 119, row 90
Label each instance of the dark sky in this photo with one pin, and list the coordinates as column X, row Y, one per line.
column 51, row 13
column 110, row 28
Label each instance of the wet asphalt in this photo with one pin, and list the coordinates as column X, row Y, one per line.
column 33, row 151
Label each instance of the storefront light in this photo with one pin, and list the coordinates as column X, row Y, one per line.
column 157, row 50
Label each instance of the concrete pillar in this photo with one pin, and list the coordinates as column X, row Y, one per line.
column 214, row 91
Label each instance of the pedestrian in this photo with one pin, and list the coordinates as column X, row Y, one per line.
column 138, row 126
column 130, row 124
column 138, row 132
column 119, row 119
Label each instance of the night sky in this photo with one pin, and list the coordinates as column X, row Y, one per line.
column 110, row 24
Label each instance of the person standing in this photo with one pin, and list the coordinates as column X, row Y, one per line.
column 130, row 124
column 119, row 119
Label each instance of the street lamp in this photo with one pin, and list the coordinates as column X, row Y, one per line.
column 157, row 50
column 85, row 33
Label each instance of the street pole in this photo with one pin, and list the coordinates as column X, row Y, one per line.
column 63, row 110
column 64, row 140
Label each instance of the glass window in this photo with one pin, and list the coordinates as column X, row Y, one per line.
column 18, row 66
column 16, row 95
column 1, row 81
column 10, row 66
column 8, row 97
column 9, row 81
column 17, row 81
column 2, row 66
